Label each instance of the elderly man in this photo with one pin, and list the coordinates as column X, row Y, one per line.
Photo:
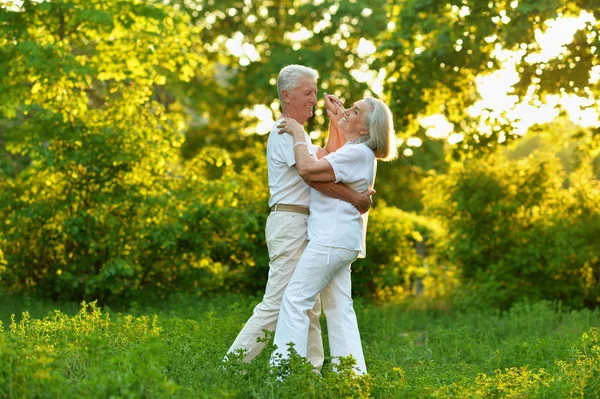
column 286, row 230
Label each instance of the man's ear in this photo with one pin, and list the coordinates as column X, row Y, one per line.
column 286, row 96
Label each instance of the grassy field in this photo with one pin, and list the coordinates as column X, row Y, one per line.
column 174, row 349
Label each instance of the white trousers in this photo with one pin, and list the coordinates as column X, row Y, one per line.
column 286, row 235
column 325, row 270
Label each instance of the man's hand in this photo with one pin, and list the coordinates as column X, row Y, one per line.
column 363, row 202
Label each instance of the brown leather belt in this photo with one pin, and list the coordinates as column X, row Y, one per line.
column 290, row 208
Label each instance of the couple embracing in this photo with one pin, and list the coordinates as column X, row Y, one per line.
column 319, row 205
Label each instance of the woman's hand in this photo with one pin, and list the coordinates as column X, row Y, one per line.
column 330, row 103
column 291, row 126
column 335, row 108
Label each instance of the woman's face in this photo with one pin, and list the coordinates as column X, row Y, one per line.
column 354, row 122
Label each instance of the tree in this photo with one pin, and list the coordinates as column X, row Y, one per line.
column 81, row 82
column 249, row 42
column 433, row 51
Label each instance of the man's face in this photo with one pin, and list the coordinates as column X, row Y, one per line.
column 301, row 100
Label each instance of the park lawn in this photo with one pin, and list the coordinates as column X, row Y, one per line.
column 174, row 348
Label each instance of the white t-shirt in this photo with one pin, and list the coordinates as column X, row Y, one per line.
column 285, row 184
column 337, row 223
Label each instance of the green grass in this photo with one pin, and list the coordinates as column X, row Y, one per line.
column 174, row 349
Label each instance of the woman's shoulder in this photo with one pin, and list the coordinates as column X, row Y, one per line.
column 354, row 151
column 367, row 151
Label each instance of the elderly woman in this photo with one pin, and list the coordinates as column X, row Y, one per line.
column 336, row 230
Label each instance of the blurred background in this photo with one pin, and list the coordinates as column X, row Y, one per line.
column 133, row 134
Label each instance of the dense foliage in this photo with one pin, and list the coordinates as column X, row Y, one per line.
column 518, row 228
column 169, row 233
column 128, row 159
column 434, row 50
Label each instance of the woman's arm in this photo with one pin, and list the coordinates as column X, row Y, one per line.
column 336, row 139
column 335, row 111
column 319, row 171
column 307, row 167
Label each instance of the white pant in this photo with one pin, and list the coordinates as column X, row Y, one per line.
column 286, row 235
column 326, row 270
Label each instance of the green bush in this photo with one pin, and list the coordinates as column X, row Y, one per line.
column 96, row 200
column 83, row 228
column 582, row 371
column 100, row 206
column 392, row 265
column 518, row 230
column 109, row 231
column 513, row 383
column 110, row 212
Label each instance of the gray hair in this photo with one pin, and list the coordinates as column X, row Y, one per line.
column 382, row 138
column 289, row 77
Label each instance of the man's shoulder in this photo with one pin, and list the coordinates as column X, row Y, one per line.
column 274, row 128
column 274, row 137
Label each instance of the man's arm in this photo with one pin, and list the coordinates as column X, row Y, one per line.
column 361, row 201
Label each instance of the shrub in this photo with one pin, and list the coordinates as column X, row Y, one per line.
column 513, row 383
column 515, row 230
column 582, row 372
column 86, row 236
column 92, row 226
column 393, row 266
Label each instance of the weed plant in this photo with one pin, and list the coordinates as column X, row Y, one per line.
column 176, row 348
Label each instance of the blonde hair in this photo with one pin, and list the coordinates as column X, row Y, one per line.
column 382, row 138
column 289, row 78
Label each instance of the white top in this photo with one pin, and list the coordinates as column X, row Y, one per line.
column 285, row 184
column 337, row 223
